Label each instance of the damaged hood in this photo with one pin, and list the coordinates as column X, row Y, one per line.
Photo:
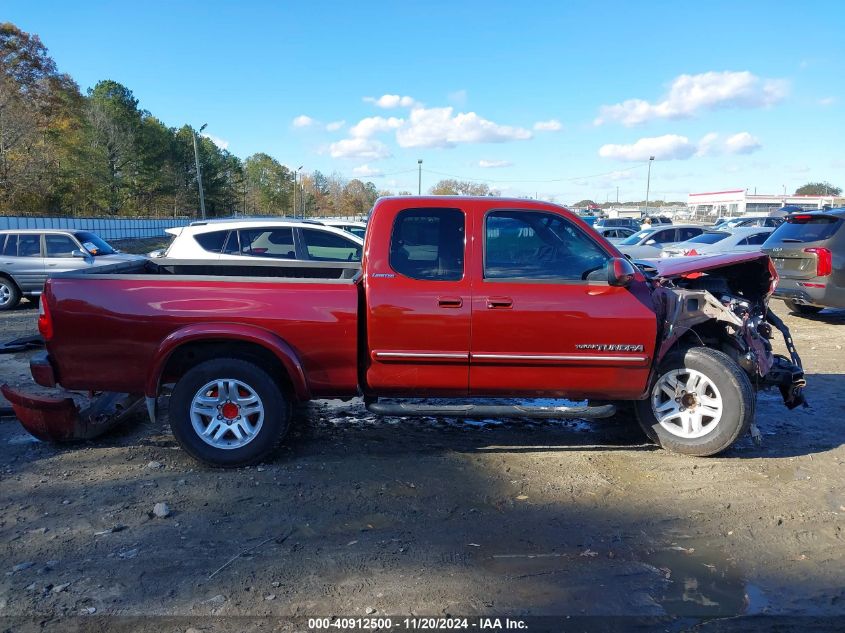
column 674, row 267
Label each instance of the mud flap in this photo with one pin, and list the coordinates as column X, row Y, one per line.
column 59, row 419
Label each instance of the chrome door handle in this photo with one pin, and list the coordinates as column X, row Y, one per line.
column 494, row 303
column 450, row 302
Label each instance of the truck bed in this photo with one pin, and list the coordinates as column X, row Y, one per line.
column 112, row 324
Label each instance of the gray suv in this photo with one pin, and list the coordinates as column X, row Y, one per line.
column 29, row 256
column 808, row 250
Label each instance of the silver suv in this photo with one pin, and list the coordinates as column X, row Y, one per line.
column 29, row 256
column 809, row 254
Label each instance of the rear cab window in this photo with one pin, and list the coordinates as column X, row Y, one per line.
column 538, row 245
column 428, row 244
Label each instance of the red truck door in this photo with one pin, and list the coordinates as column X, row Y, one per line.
column 418, row 301
column 545, row 322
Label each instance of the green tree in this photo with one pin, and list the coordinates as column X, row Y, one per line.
column 38, row 108
column 818, row 189
column 269, row 186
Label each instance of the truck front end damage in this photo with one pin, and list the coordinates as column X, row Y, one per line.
column 722, row 302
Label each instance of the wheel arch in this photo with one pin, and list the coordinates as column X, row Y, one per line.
column 198, row 342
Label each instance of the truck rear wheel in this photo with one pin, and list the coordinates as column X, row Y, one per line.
column 228, row 412
column 700, row 403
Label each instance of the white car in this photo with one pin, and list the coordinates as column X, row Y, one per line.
column 240, row 239
column 711, row 242
column 650, row 242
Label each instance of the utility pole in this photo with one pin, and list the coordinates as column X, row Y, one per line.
column 648, row 184
column 199, row 173
column 419, row 179
column 617, row 194
column 295, row 176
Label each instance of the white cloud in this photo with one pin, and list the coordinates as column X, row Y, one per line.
column 827, row 101
column 391, row 101
column 666, row 147
column 438, row 127
column 334, row 126
column 219, row 142
column 675, row 147
column 302, row 121
column 689, row 94
column 708, row 144
column 365, row 128
column 552, row 125
column 366, row 170
column 492, row 164
column 742, row 143
column 359, row 148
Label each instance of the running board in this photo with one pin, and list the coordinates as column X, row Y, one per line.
column 491, row 411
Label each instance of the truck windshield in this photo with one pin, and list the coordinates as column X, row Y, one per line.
column 93, row 243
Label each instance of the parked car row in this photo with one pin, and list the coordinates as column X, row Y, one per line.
column 807, row 248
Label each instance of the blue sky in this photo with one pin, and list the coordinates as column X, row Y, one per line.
column 563, row 100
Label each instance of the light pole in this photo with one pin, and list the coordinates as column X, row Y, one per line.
column 648, row 184
column 295, row 176
column 199, row 173
column 419, row 179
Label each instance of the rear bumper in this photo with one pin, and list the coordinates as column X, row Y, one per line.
column 58, row 419
column 42, row 370
column 797, row 291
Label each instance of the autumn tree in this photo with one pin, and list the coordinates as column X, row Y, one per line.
column 451, row 187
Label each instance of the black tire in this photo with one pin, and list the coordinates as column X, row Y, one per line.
column 737, row 399
column 10, row 294
column 276, row 406
column 797, row 308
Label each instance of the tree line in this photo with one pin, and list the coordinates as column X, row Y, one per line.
column 65, row 153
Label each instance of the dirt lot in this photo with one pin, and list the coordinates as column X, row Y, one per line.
column 357, row 516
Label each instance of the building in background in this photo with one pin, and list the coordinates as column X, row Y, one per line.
column 715, row 204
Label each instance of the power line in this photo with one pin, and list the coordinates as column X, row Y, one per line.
column 497, row 180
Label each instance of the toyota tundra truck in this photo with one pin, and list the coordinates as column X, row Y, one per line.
column 460, row 307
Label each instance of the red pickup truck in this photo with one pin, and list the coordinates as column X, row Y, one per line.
column 469, row 299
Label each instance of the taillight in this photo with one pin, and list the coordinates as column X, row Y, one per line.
column 824, row 261
column 45, row 321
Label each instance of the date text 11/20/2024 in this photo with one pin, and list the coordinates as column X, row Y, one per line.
column 417, row 623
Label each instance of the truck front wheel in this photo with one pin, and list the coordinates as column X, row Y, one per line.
column 228, row 412
column 700, row 403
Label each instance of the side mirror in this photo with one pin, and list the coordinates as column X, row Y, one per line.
column 80, row 253
column 620, row 272
column 650, row 242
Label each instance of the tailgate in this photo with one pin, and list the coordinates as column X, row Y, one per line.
column 794, row 263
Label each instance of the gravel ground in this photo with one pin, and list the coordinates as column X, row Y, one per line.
column 362, row 516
